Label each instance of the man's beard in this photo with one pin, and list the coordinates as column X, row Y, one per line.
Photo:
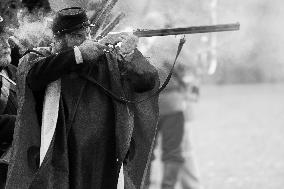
column 5, row 61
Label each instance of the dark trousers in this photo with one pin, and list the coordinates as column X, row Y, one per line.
column 171, row 129
column 3, row 175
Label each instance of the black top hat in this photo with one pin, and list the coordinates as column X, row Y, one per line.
column 69, row 19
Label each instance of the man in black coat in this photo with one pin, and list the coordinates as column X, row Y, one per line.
column 8, row 105
column 79, row 118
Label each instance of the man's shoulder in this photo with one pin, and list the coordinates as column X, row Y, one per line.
column 28, row 60
column 36, row 53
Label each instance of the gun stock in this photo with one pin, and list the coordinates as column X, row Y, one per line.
column 187, row 30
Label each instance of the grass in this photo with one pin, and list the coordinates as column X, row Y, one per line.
column 238, row 137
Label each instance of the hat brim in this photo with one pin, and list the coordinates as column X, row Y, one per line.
column 77, row 27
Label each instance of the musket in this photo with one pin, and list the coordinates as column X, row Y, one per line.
column 111, row 25
column 103, row 14
column 95, row 15
column 9, row 80
column 187, row 30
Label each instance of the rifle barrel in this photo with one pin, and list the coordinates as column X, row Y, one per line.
column 187, row 30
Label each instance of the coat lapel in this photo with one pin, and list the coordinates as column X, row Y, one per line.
column 124, row 117
column 134, row 134
column 49, row 116
column 26, row 139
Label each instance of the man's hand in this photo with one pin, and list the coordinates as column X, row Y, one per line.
column 91, row 50
column 127, row 42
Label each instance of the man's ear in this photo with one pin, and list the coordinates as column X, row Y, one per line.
column 66, row 38
column 59, row 43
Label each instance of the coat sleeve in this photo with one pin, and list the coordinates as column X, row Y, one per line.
column 51, row 68
column 141, row 74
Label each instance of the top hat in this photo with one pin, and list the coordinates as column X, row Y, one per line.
column 69, row 19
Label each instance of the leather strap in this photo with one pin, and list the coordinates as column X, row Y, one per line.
column 124, row 100
column 33, row 51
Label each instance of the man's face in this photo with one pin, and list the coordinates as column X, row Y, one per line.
column 5, row 51
column 76, row 38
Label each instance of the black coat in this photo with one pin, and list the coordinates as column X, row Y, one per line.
column 135, row 124
column 11, row 105
column 7, row 121
column 7, row 116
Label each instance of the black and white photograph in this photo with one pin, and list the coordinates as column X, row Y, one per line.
column 146, row 94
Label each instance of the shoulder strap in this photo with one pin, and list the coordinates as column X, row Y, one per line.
column 9, row 82
column 124, row 100
column 33, row 51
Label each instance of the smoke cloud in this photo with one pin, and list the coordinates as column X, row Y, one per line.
column 253, row 54
column 34, row 30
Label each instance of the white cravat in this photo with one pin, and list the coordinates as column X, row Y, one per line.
column 120, row 183
column 49, row 116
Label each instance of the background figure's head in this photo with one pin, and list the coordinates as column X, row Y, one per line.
column 8, row 11
column 70, row 27
column 36, row 5
column 5, row 51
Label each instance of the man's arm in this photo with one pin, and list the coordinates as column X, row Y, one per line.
column 134, row 66
column 51, row 68
column 140, row 73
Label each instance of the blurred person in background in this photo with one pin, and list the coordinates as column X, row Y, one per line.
column 8, row 11
column 14, row 12
column 175, row 107
column 75, row 127
column 34, row 11
column 189, row 172
column 33, row 28
column 8, row 104
column 175, row 113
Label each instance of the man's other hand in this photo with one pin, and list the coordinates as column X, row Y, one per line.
column 125, row 41
column 128, row 44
